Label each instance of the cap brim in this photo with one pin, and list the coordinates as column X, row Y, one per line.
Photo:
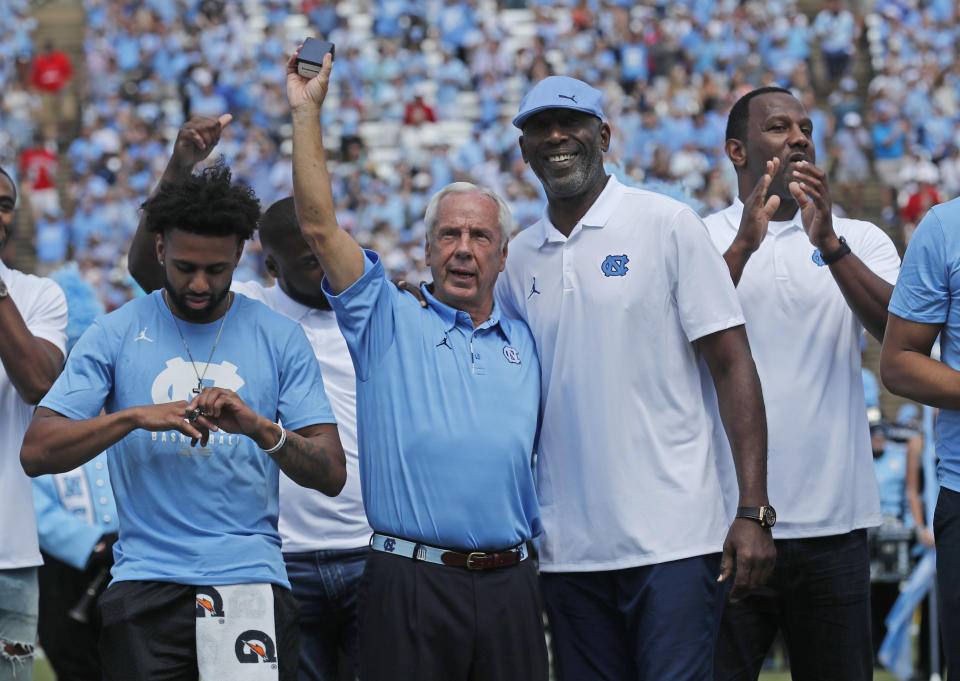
column 521, row 118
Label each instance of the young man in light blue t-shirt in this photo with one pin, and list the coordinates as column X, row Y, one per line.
column 926, row 304
column 206, row 396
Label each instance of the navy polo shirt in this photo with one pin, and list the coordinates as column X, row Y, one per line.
column 446, row 417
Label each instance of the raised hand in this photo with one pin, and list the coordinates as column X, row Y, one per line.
column 758, row 209
column 810, row 190
column 304, row 93
column 197, row 138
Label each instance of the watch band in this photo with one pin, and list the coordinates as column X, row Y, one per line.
column 765, row 515
column 4, row 291
column 842, row 250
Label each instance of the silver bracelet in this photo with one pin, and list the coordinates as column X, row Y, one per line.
column 280, row 443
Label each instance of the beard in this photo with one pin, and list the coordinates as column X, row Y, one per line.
column 588, row 171
column 178, row 302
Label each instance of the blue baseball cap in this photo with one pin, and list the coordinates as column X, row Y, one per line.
column 560, row 92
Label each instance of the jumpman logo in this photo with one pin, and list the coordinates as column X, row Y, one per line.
column 143, row 336
column 533, row 289
column 445, row 342
column 572, row 98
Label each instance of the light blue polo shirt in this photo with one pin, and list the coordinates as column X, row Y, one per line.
column 446, row 417
column 928, row 291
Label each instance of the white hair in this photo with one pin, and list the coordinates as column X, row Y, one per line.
column 504, row 218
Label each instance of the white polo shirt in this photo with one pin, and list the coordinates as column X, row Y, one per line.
column 310, row 520
column 44, row 309
column 626, row 471
column 805, row 340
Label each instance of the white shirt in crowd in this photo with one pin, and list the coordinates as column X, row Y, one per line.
column 805, row 341
column 44, row 309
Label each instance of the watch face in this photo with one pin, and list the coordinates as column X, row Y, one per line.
column 769, row 516
column 3, row 289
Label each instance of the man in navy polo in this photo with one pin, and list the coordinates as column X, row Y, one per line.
column 447, row 400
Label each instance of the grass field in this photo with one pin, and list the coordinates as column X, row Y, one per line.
column 42, row 672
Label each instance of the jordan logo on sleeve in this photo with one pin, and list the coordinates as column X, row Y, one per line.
column 143, row 336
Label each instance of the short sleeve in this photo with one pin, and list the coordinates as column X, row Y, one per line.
column 922, row 293
column 706, row 298
column 47, row 316
column 303, row 401
column 87, row 379
column 878, row 253
column 366, row 315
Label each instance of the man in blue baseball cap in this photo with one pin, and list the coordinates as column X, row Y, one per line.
column 623, row 291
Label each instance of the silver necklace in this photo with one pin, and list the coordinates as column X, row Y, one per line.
column 200, row 377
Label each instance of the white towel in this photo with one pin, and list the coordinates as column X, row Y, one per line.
column 236, row 634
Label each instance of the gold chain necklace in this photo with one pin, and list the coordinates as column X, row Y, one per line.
column 200, row 377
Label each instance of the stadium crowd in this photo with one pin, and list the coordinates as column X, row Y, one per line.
column 423, row 94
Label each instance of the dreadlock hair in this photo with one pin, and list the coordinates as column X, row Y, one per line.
column 740, row 112
column 205, row 203
column 278, row 222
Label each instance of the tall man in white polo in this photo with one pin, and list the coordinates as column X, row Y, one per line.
column 33, row 318
column 809, row 282
column 623, row 291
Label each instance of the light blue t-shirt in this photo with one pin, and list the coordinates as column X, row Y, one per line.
column 194, row 515
column 446, row 417
column 891, row 470
column 928, row 292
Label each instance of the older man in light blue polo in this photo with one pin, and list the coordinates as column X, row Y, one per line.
column 447, row 402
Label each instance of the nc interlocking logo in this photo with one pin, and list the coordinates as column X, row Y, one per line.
column 178, row 380
column 389, row 544
column 615, row 266
column 511, row 354
column 817, row 257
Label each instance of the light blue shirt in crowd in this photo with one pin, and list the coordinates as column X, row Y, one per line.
column 194, row 515
column 74, row 510
column 928, row 291
column 447, row 417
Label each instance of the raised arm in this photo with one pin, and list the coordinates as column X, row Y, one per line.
column 740, row 399
column 340, row 256
column 866, row 293
column 757, row 211
column 56, row 444
column 195, row 141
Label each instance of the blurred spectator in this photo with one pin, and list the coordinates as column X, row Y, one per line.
column 50, row 72
column 850, row 148
column 889, row 135
column 837, row 31
column 38, row 169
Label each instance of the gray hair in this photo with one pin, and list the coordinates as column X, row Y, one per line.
column 504, row 218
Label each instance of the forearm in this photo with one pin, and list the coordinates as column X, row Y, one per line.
column 867, row 294
column 56, row 444
column 741, row 410
column 30, row 363
column 917, row 377
column 339, row 255
column 314, row 460
column 142, row 259
column 740, row 400
column 736, row 258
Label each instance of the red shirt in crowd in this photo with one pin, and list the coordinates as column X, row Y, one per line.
column 38, row 167
column 51, row 71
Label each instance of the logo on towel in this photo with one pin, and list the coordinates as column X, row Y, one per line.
column 511, row 354
column 255, row 646
column 389, row 544
column 209, row 602
column 615, row 265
